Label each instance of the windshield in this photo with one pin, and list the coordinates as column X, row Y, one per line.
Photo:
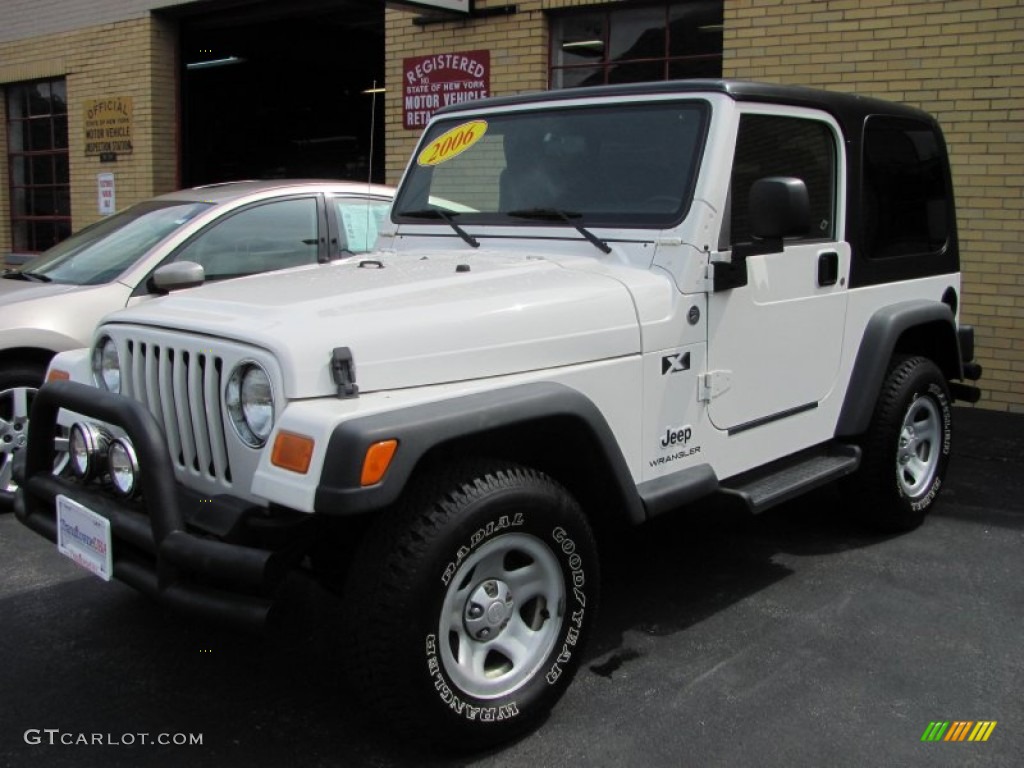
column 621, row 165
column 102, row 251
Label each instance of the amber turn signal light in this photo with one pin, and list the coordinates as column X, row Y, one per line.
column 292, row 451
column 58, row 375
column 378, row 459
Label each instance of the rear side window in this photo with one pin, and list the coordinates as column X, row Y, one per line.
column 771, row 145
column 907, row 207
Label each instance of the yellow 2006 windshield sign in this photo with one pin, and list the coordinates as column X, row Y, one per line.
column 452, row 143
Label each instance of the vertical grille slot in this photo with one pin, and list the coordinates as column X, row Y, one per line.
column 152, row 371
column 184, row 415
column 197, row 408
column 214, row 422
column 139, row 375
column 168, row 403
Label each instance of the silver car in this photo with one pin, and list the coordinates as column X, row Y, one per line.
column 174, row 241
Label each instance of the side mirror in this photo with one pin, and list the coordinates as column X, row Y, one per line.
column 779, row 208
column 177, row 275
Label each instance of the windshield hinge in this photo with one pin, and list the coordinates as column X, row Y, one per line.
column 712, row 384
column 708, row 284
column 343, row 371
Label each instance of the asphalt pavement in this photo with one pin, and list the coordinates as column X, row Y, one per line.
column 793, row 638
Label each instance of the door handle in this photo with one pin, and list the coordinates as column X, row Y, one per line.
column 828, row 268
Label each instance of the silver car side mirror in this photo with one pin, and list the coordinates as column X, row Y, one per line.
column 178, row 275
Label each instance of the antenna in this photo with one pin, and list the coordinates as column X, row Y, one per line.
column 369, row 175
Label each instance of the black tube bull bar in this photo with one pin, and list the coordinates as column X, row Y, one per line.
column 172, row 557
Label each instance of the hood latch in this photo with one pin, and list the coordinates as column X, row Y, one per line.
column 343, row 370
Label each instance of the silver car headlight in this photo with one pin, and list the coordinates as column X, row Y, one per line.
column 106, row 366
column 249, row 398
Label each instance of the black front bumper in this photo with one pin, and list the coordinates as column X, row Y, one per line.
column 155, row 547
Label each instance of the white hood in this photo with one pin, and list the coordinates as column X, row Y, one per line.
column 414, row 321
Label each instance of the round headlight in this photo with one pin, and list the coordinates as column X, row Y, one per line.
column 250, row 401
column 105, row 365
column 87, row 450
column 123, row 466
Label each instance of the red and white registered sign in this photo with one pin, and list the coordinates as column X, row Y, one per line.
column 435, row 81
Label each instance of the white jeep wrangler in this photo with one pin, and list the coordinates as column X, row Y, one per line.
column 595, row 307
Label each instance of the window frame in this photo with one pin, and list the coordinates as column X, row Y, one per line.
column 59, row 186
column 609, row 15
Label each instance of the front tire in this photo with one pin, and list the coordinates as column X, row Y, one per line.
column 906, row 448
column 469, row 605
column 19, row 383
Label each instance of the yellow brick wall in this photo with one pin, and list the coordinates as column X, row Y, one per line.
column 132, row 58
column 961, row 60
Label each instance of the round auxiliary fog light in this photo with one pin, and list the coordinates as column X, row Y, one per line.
column 87, row 449
column 123, row 465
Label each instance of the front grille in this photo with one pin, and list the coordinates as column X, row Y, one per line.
column 181, row 388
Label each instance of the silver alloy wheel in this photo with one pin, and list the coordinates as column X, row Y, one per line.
column 501, row 615
column 14, row 408
column 917, row 456
column 15, row 404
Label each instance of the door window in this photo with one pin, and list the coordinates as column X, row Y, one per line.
column 276, row 235
column 772, row 145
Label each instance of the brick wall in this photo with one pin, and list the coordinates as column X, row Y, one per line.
column 961, row 60
column 132, row 58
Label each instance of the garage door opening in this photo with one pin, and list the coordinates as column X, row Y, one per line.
column 283, row 90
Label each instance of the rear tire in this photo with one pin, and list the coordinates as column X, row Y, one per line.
column 906, row 448
column 470, row 603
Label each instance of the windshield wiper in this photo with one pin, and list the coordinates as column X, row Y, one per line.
column 556, row 214
column 447, row 218
column 30, row 277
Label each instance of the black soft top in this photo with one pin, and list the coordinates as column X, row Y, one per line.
column 849, row 109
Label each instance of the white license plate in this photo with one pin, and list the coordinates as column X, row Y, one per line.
column 84, row 536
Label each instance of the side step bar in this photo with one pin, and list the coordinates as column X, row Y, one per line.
column 787, row 478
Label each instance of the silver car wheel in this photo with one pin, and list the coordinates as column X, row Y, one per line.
column 917, row 457
column 15, row 406
column 501, row 615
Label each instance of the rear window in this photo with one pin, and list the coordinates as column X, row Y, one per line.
column 907, row 207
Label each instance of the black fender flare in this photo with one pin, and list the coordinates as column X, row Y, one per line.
column 885, row 334
column 542, row 408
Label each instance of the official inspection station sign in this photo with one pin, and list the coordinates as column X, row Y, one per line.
column 435, row 81
column 108, row 126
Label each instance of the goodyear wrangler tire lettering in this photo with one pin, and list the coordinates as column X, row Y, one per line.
column 906, row 448
column 575, row 563
column 483, row 591
column 483, row 533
